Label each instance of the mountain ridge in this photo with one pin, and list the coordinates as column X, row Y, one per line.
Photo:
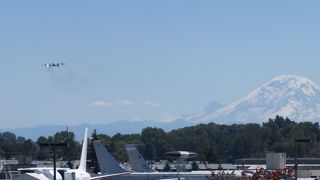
column 292, row 96
column 108, row 128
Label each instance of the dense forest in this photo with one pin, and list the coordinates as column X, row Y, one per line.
column 214, row 143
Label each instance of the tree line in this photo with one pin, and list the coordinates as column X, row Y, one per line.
column 213, row 142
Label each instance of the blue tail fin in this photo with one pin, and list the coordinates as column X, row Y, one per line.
column 136, row 161
column 107, row 163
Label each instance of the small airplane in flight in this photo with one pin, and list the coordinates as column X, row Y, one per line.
column 50, row 65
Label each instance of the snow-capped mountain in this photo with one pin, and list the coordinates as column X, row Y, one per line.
column 214, row 105
column 295, row 97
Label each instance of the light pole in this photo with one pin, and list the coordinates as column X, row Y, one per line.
column 54, row 144
column 296, row 154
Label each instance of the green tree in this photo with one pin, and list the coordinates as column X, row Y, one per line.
column 156, row 142
column 93, row 162
column 72, row 150
column 44, row 153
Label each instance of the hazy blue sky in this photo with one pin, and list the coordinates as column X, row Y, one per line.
column 146, row 59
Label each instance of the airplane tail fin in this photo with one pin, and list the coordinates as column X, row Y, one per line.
column 107, row 163
column 83, row 159
column 136, row 161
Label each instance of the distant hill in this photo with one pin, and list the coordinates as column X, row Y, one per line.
column 124, row 127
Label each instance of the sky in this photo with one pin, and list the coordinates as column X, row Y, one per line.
column 146, row 60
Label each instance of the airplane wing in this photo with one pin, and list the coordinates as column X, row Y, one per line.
column 109, row 175
column 40, row 168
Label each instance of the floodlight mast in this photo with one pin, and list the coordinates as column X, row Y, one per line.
column 54, row 144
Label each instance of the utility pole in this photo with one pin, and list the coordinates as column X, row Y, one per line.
column 54, row 145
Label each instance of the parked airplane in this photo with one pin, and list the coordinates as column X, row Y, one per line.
column 50, row 65
column 181, row 154
column 80, row 173
column 108, row 165
column 138, row 164
column 136, row 160
column 180, row 157
column 62, row 173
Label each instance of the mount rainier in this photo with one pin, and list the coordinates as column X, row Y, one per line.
column 295, row 97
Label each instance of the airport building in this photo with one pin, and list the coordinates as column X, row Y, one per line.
column 307, row 167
